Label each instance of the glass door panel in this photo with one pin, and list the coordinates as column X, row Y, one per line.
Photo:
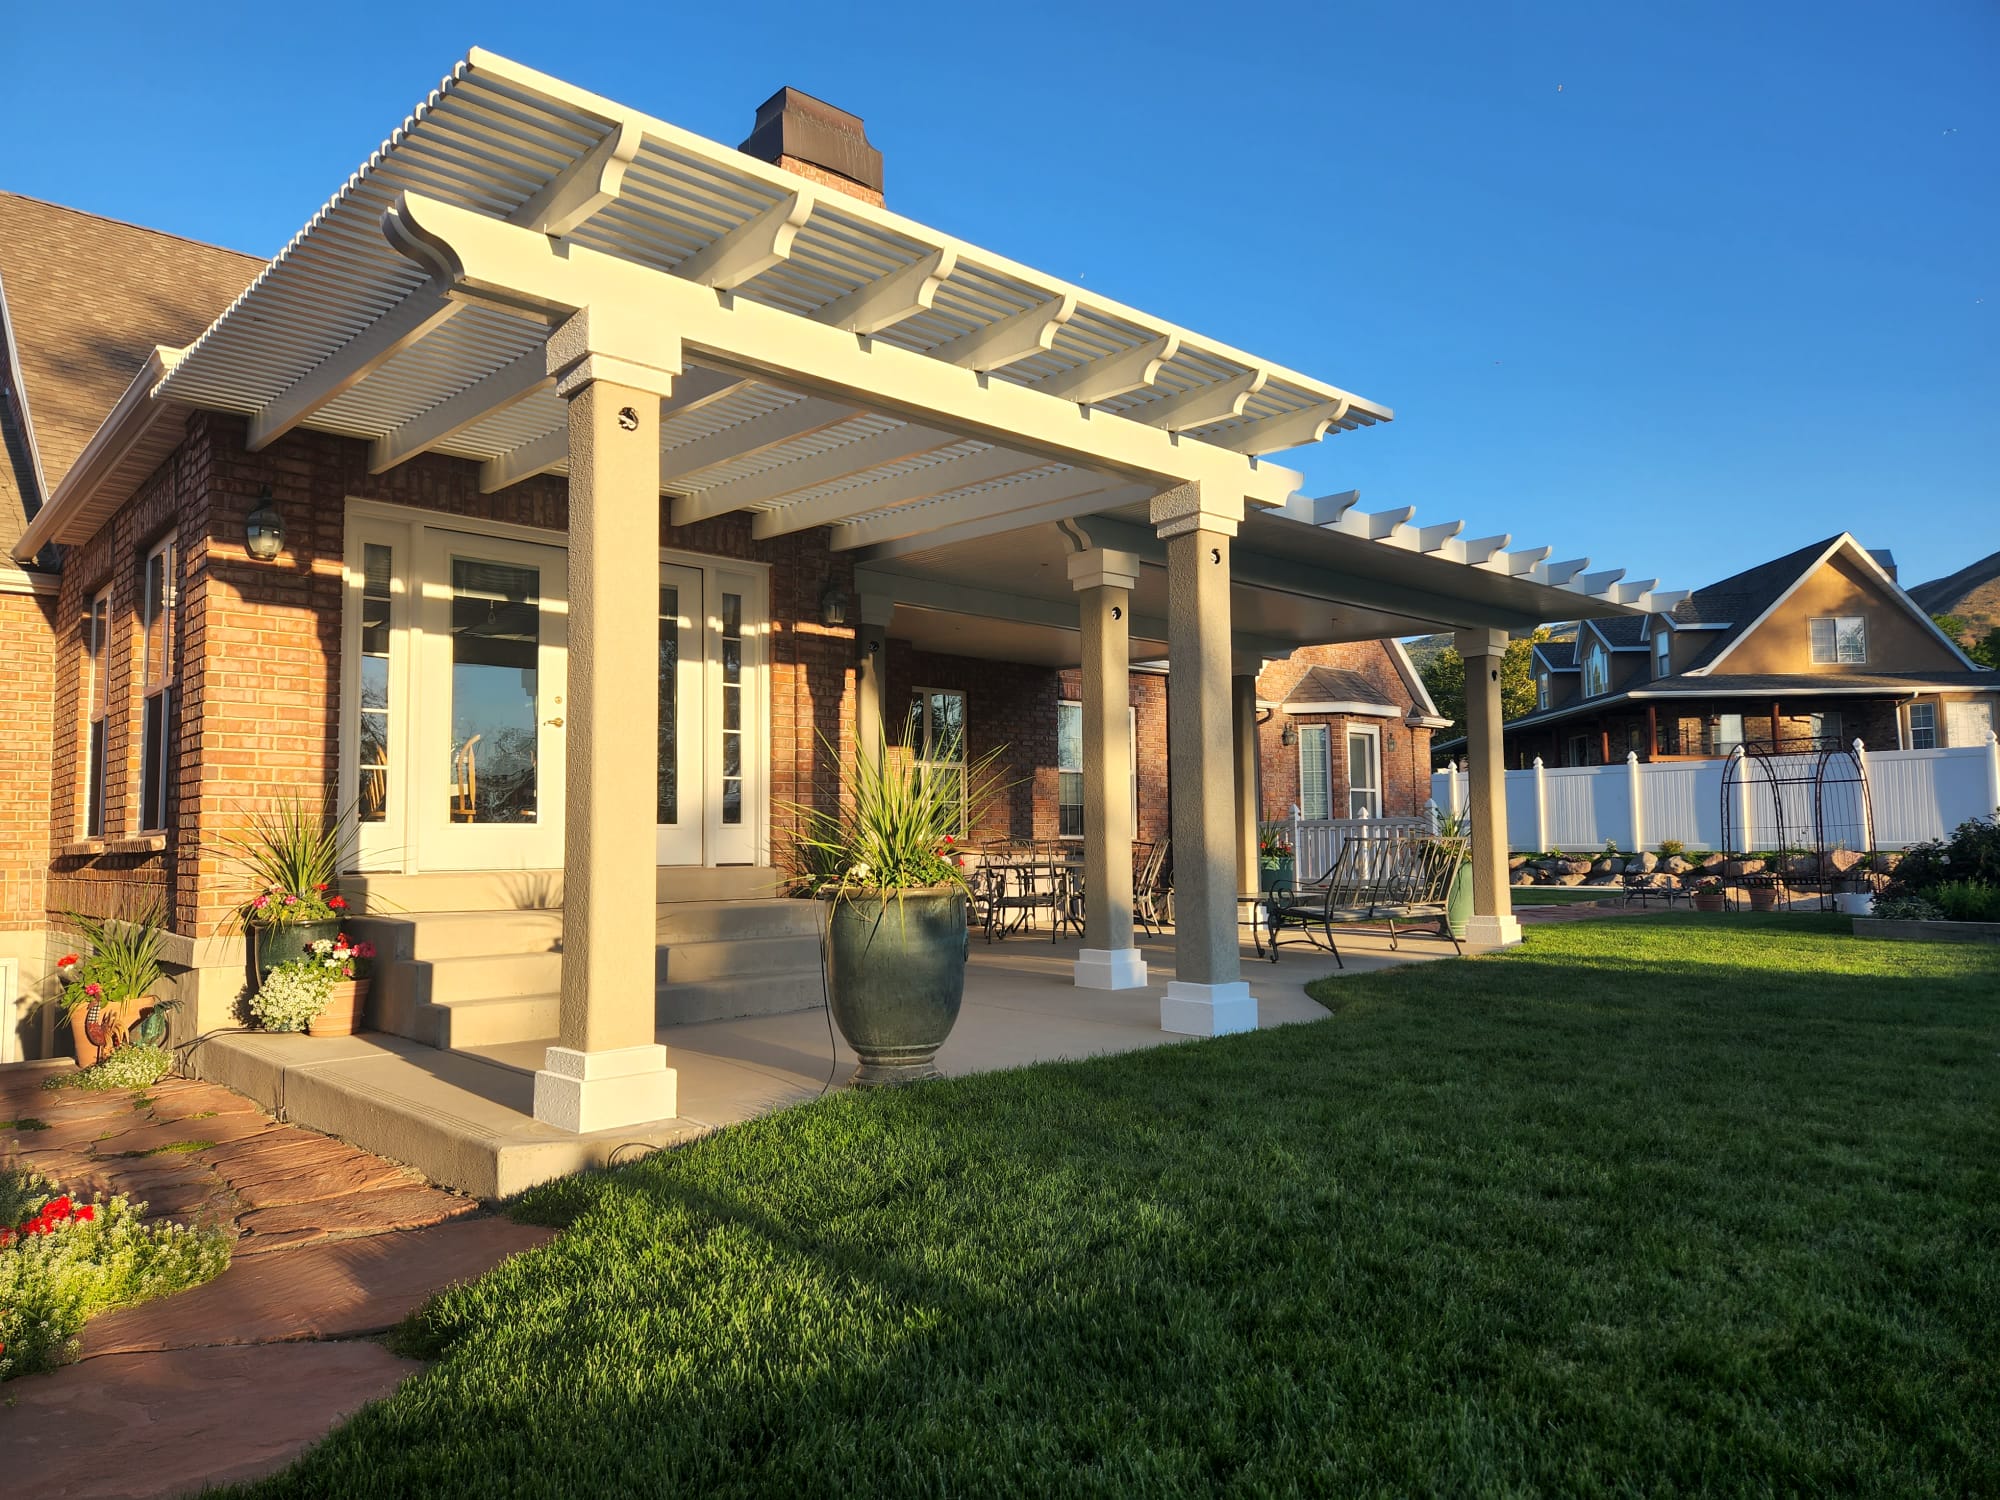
column 733, row 737
column 680, row 739
column 492, row 763
column 1364, row 774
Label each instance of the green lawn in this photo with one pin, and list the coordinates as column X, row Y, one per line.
column 1694, row 1203
column 1562, row 895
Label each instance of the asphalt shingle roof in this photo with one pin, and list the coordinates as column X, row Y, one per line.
column 1334, row 685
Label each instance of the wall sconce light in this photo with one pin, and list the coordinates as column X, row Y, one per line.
column 833, row 604
column 264, row 529
column 1287, row 736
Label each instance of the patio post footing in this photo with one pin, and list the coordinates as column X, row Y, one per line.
column 1492, row 932
column 1110, row 969
column 607, row 1090
column 1189, row 1009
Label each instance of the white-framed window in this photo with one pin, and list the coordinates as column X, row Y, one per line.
column 1364, row 772
column 1967, row 723
column 1542, row 688
column 1839, row 640
column 1315, row 772
column 159, row 598
column 97, row 699
column 937, row 738
column 1825, row 729
column 1596, row 670
column 1069, row 767
column 1579, row 750
column 1923, row 726
column 1663, row 653
column 1728, row 732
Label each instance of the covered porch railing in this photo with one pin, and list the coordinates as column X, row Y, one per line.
column 1317, row 842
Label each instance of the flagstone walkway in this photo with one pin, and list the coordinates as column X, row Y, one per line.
column 232, row 1379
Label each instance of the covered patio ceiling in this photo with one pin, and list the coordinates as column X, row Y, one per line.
column 841, row 367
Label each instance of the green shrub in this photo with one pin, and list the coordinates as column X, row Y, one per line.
column 1969, row 900
column 1670, row 847
column 1907, row 909
column 63, row 1262
column 1972, row 853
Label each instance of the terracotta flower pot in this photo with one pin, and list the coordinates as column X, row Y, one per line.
column 1763, row 898
column 125, row 1013
column 1708, row 901
column 342, row 1016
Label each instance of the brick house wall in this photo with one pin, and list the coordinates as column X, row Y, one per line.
column 1406, row 750
column 27, row 686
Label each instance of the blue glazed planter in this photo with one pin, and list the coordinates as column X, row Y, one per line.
column 896, row 978
column 281, row 942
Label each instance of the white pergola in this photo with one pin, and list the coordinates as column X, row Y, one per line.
column 544, row 281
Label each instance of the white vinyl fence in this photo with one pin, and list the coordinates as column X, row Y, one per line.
column 1914, row 795
column 1317, row 842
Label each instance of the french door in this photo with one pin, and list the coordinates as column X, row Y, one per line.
column 454, row 668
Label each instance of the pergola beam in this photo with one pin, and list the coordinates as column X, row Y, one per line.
column 753, row 247
column 807, row 414
column 483, row 258
column 940, row 478
column 417, row 314
column 891, row 299
column 1113, row 374
column 507, row 386
column 588, row 184
column 816, row 469
column 951, row 531
column 1000, row 500
column 536, row 456
column 1286, row 430
column 1011, row 340
column 1204, row 405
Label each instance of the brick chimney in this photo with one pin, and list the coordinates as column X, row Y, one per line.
column 810, row 137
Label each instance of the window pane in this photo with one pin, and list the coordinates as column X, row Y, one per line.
column 1823, row 648
column 1853, row 640
column 496, row 627
column 93, row 817
column 732, row 708
column 947, row 711
column 153, row 763
column 371, row 754
column 1069, row 804
column 667, row 797
column 100, row 656
column 1923, row 727
column 1069, row 736
column 155, row 607
column 1314, row 772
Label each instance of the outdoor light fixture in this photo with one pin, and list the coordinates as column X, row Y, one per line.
column 833, row 605
column 264, row 529
column 1286, row 736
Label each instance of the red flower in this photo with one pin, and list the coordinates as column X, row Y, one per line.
column 948, row 838
column 87, row 1213
column 67, row 960
column 338, row 903
column 94, row 990
column 321, row 886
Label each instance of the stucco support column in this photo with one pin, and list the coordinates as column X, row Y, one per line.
column 1104, row 581
column 871, row 666
column 1207, row 996
column 609, row 1071
column 1243, row 731
column 1493, row 922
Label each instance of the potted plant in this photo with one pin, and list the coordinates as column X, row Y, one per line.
column 292, row 857
column 1763, row 892
column 351, row 964
column 1458, row 901
column 104, row 992
column 295, row 992
column 887, row 868
column 1708, row 894
column 1274, row 862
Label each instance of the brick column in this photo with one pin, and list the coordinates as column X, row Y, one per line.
column 609, row 1070
column 1493, row 922
column 1104, row 581
column 1207, row 996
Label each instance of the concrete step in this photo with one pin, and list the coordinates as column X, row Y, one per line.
column 679, row 963
column 484, row 1023
column 717, row 921
column 463, row 934
column 747, row 995
column 541, row 890
column 494, row 976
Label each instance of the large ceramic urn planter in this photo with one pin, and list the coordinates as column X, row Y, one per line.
column 896, row 977
column 280, row 942
column 96, row 1029
column 1274, row 873
column 342, row 1016
column 1458, row 904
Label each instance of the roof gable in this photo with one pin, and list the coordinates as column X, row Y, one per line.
column 86, row 299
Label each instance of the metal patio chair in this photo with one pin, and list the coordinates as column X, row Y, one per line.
column 1374, row 881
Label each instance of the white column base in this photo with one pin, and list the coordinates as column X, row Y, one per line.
column 1189, row 1009
column 1110, row 969
column 1492, row 932
column 609, row 1090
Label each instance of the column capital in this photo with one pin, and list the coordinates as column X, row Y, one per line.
column 878, row 610
column 1480, row 642
column 593, row 345
column 1193, row 507
column 1246, row 664
column 1101, row 567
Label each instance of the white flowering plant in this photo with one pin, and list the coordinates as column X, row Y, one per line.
column 296, row 991
column 63, row 1261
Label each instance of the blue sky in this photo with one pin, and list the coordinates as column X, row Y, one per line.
column 1679, row 287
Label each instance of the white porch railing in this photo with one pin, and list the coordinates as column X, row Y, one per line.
column 1317, row 842
column 1915, row 795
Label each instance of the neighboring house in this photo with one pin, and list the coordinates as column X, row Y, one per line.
column 83, row 302
column 325, row 535
column 1817, row 648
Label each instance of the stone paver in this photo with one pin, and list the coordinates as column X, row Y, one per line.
column 233, row 1379
column 141, row 1425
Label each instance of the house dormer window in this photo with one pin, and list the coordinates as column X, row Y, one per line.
column 1839, row 639
column 1663, row 654
column 1596, row 670
column 1542, row 688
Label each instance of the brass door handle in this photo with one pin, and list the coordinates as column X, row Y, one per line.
column 553, row 723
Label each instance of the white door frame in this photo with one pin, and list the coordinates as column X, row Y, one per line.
column 1372, row 733
column 682, row 842
column 398, row 844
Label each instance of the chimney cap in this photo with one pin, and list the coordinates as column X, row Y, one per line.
column 793, row 127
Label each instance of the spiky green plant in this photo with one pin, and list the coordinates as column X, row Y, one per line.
column 291, row 850
column 123, row 962
column 899, row 830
